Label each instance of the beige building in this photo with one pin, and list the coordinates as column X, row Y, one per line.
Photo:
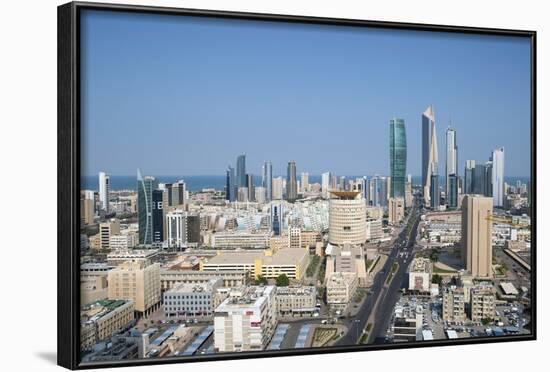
column 294, row 237
column 170, row 278
column 341, row 287
column 99, row 320
column 347, row 218
column 138, row 281
column 86, row 207
column 346, row 258
column 396, row 210
column 420, row 275
column 310, row 238
column 482, row 302
column 123, row 241
column 477, row 252
column 246, row 320
column 296, row 300
column 106, row 230
column 453, row 305
column 269, row 264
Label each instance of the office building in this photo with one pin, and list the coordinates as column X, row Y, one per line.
column 172, row 277
column 191, row 299
column 106, row 230
column 420, row 275
column 396, row 210
column 230, row 184
column 398, row 158
column 87, row 210
column 304, row 182
column 291, row 185
column 325, row 183
column 408, row 192
column 469, row 177
column 246, row 320
column 241, row 171
column 452, row 189
column 100, row 319
column 407, row 324
column 157, row 209
column 278, row 188
column 340, row 288
column 104, row 191
column 145, row 186
column 240, row 239
column 294, row 237
column 429, row 153
column 346, row 259
column 124, row 241
column 182, row 228
column 138, row 281
column 250, row 187
column 242, row 194
column 434, row 190
column 482, row 302
column 347, row 218
column 477, row 252
column 260, row 193
column 497, row 178
column 277, row 218
column 296, row 301
column 267, row 180
column 451, row 159
column 176, row 194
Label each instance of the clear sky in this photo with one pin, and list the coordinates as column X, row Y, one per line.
column 184, row 96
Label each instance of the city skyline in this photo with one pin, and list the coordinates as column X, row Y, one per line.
column 489, row 88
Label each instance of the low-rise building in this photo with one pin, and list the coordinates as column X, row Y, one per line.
column 420, row 275
column 407, row 324
column 171, row 278
column 240, row 239
column 482, row 302
column 296, row 300
column 99, row 320
column 123, row 241
column 119, row 256
column 191, row 300
column 106, row 230
column 341, row 286
column 453, row 304
column 246, row 320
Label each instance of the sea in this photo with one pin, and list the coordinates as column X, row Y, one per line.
column 197, row 183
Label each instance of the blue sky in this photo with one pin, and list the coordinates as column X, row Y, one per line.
column 185, row 96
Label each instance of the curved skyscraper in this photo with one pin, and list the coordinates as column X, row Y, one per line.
column 429, row 154
column 145, row 186
column 398, row 158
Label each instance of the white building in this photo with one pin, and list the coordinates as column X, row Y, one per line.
column 246, row 320
column 341, row 287
column 325, row 182
column 104, row 191
column 123, row 241
column 277, row 186
column 420, row 275
column 240, row 239
column 498, row 177
column 191, row 299
column 347, row 218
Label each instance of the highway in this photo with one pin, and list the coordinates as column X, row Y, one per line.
column 387, row 295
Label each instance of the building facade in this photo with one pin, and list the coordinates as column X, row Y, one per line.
column 398, row 158
column 477, row 252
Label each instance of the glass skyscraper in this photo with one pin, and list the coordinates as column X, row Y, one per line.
column 451, row 158
column 241, row 171
column 145, row 186
column 230, row 184
column 452, row 196
column 267, row 180
column 398, row 158
column 291, row 184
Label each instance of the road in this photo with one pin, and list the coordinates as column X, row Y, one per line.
column 387, row 294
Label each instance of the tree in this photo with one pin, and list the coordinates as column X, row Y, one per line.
column 260, row 280
column 436, row 278
column 282, row 280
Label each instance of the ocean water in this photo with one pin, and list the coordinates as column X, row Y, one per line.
column 197, row 183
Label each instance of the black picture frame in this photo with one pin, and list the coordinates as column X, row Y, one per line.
column 68, row 220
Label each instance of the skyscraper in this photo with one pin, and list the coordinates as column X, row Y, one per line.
column 250, row 186
column 498, row 177
column 398, row 157
column 305, row 181
column 277, row 215
column 267, row 180
column 241, row 171
column 325, row 183
column 158, row 215
column 230, row 189
column 451, row 159
column 477, row 252
column 479, row 179
column 452, row 196
column 145, row 186
column 469, row 176
column 291, row 185
column 104, row 191
column 429, row 152
column 434, row 189
column 277, row 188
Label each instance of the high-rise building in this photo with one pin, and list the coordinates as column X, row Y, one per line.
column 104, row 191
column 145, row 186
column 408, row 192
column 498, row 177
column 106, row 230
column 429, row 152
column 277, row 215
column 325, row 183
column 291, row 185
column 347, row 218
column 469, row 177
column 182, row 228
column 230, row 184
column 396, row 210
column 452, row 196
column 304, row 181
column 241, row 171
column 260, row 194
column 277, row 188
column 488, row 180
column 157, row 210
column 87, row 207
column 434, row 189
column 267, row 180
column 479, row 179
column 176, row 193
column 451, row 159
column 398, row 157
column 250, row 186
column 477, row 252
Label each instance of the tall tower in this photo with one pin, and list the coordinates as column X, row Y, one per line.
column 267, row 180
column 145, row 186
column 498, row 177
column 398, row 158
column 104, row 191
column 477, row 252
column 241, row 171
column 291, row 184
column 230, row 184
column 451, row 158
column 325, row 183
column 429, row 151
column 469, row 176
